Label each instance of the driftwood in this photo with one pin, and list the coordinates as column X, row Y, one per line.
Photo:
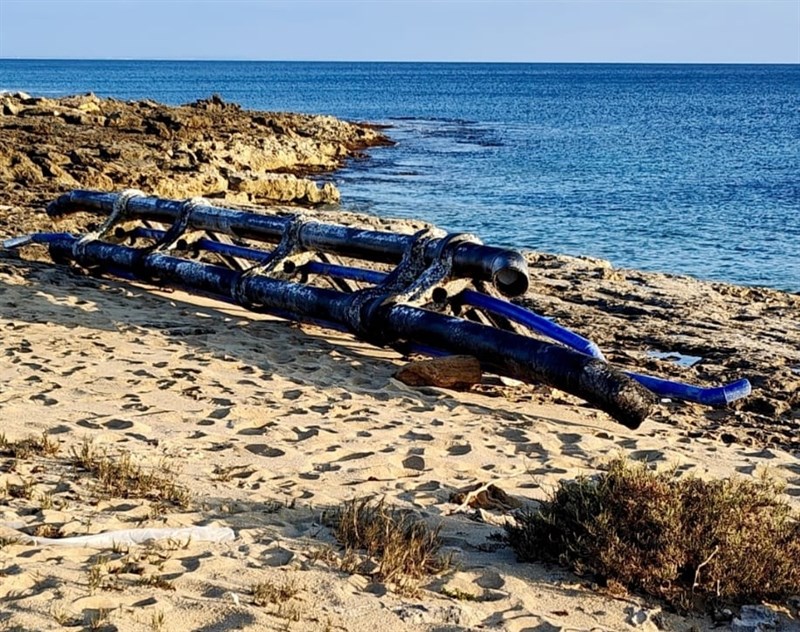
column 455, row 372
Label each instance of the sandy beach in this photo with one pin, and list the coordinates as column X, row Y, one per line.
column 268, row 426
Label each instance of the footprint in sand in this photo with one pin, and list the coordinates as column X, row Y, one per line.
column 85, row 423
column 262, row 449
column 219, row 413
column 417, row 436
column 569, row 437
column 43, row 399
column 278, row 556
column 414, row 462
column 514, row 435
column 648, row 456
column 118, row 424
column 303, row 435
column 459, row 450
column 353, row 457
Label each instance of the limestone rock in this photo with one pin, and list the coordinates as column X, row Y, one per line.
column 283, row 188
column 91, row 178
column 208, row 148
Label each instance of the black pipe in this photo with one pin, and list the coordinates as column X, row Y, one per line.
column 513, row 355
column 506, row 269
column 706, row 395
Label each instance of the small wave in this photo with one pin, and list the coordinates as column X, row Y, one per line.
column 434, row 119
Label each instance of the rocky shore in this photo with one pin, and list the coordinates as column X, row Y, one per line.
column 209, row 147
column 263, row 428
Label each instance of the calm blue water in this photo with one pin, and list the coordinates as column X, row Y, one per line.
column 688, row 169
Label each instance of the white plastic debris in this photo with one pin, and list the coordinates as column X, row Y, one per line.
column 129, row 537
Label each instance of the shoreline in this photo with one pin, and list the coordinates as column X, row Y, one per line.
column 268, row 424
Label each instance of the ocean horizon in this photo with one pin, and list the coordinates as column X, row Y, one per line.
column 679, row 168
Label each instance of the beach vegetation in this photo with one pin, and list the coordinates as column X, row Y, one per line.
column 156, row 581
column 47, row 530
column 62, row 615
column 269, row 592
column 392, row 545
column 696, row 544
column 118, row 476
column 43, row 445
column 24, row 489
column 281, row 596
column 97, row 574
column 458, row 594
column 98, row 619
column 157, row 620
column 9, row 540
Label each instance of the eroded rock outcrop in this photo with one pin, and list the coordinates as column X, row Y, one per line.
column 208, row 148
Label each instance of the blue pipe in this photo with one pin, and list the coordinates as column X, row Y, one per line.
column 708, row 396
column 513, row 355
column 253, row 254
column 69, row 238
column 532, row 321
column 507, row 269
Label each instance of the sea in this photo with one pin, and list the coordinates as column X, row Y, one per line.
column 684, row 169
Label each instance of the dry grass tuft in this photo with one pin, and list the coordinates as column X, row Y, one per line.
column 156, row 581
column 23, row 490
column 119, row 477
column 282, row 596
column 693, row 543
column 403, row 546
column 273, row 592
column 31, row 446
column 98, row 574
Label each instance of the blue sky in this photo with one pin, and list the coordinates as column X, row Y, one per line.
column 756, row 31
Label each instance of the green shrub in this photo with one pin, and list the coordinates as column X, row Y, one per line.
column 691, row 542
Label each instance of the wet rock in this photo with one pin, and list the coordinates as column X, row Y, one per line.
column 755, row 619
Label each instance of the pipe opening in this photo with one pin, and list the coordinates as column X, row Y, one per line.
column 439, row 295
column 511, row 282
